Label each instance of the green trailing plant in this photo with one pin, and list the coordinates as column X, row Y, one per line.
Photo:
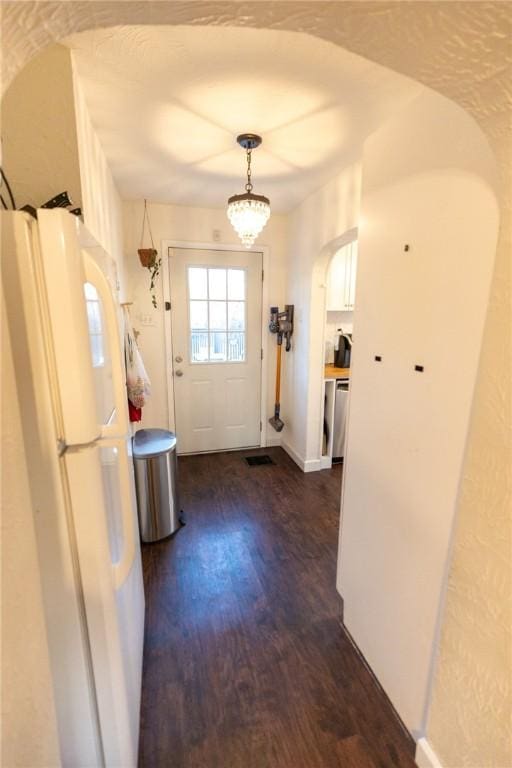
column 149, row 256
column 154, row 271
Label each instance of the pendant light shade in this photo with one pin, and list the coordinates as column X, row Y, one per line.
column 248, row 213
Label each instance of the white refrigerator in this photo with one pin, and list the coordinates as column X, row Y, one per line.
column 64, row 326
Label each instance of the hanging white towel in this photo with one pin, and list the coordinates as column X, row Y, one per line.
column 137, row 381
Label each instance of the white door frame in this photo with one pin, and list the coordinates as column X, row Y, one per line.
column 265, row 252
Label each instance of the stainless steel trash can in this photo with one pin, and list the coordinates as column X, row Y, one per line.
column 154, row 457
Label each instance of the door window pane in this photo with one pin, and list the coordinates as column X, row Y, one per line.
column 236, row 284
column 236, row 347
column 217, row 284
column 199, row 347
column 218, row 346
column 217, row 315
column 197, row 282
column 216, row 306
column 199, row 315
column 236, row 315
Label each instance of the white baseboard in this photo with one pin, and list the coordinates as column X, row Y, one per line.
column 293, row 455
column 425, row 755
column 307, row 465
column 273, row 440
column 312, row 465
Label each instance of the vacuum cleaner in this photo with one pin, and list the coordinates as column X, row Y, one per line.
column 281, row 323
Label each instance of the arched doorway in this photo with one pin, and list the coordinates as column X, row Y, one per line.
column 337, row 317
column 485, row 426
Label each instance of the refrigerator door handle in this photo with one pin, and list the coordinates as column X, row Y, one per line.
column 121, row 569
column 95, row 276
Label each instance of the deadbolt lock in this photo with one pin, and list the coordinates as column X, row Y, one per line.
column 178, row 359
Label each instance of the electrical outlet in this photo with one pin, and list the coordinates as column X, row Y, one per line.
column 146, row 319
column 216, row 235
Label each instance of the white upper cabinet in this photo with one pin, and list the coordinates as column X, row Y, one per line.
column 341, row 279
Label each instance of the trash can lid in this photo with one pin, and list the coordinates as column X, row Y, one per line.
column 152, row 442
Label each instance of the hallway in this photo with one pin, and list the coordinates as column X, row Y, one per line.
column 245, row 662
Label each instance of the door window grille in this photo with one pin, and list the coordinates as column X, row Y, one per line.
column 217, row 314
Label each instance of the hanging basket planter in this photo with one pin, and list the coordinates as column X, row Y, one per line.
column 149, row 256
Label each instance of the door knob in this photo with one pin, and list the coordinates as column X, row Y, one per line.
column 178, row 372
column 178, row 359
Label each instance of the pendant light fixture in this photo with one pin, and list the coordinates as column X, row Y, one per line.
column 248, row 213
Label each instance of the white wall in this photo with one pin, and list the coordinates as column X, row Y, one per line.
column 428, row 179
column 314, row 226
column 172, row 222
column 101, row 204
column 50, row 145
column 39, row 144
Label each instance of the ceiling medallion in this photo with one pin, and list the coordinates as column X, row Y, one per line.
column 248, row 213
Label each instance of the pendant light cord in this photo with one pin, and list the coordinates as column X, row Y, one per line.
column 248, row 186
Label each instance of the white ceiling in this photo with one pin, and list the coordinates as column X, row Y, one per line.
column 168, row 103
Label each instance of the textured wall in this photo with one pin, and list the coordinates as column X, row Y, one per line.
column 407, row 430
column 470, row 720
column 461, row 49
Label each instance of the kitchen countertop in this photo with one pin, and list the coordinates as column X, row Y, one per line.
column 331, row 372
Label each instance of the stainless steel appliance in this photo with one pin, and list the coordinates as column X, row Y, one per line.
column 340, row 419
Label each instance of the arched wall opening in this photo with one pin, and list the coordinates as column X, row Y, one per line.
column 481, row 489
column 320, row 275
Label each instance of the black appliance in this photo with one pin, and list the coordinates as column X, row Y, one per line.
column 342, row 354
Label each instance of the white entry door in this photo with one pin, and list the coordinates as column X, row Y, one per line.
column 216, row 341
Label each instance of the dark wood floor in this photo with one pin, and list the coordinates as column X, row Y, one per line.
column 246, row 664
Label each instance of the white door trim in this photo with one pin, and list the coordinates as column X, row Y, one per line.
column 265, row 252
